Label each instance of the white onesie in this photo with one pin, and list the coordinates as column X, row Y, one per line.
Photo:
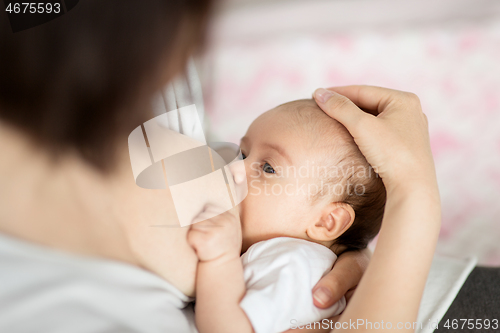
column 280, row 274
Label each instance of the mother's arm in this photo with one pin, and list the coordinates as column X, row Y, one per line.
column 394, row 138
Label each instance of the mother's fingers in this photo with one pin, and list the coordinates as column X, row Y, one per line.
column 344, row 277
column 373, row 99
column 342, row 109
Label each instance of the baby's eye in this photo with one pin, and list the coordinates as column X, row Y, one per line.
column 268, row 168
column 243, row 156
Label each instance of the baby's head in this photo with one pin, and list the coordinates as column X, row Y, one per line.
column 307, row 179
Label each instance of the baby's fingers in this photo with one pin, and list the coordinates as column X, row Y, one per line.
column 199, row 241
column 207, row 215
column 212, row 210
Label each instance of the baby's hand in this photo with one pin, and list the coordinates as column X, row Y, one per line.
column 218, row 237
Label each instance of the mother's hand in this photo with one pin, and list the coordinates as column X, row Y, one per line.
column 392, row 134
column 342, row 279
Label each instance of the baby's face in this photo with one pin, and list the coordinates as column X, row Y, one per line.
column 282, row 157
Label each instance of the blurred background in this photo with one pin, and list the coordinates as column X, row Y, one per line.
column 263, row 53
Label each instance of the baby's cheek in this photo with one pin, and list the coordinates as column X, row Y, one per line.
column 252, row 223
column 254, row 187
column 250, row 235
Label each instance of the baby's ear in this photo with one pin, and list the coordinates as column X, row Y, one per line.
column 335, row 219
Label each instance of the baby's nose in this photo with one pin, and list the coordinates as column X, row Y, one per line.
column 237, row 169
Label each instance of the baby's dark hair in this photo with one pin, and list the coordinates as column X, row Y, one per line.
column 364, row 191
column 345, row 168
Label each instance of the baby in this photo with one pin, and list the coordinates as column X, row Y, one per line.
column 311, row 195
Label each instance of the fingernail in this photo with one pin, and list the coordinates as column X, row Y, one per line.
column 322, row 295
column 322, row 95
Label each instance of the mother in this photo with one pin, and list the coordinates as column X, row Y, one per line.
column 77, row 252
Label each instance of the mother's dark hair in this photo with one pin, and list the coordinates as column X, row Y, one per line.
column 82, row 81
